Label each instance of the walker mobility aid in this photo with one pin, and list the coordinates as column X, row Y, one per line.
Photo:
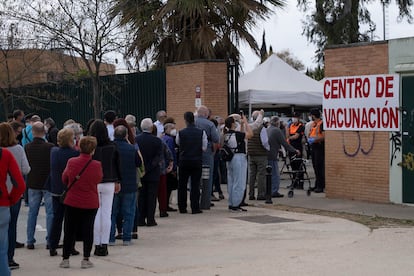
column 298, row 175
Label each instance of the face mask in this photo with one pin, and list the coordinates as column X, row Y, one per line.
column 294, row 120
column 310, row 118
column 173, row 132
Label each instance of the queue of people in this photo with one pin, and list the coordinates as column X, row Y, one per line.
column 112, row 173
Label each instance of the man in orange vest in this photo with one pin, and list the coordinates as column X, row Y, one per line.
column 296, row 130
column 317, row 141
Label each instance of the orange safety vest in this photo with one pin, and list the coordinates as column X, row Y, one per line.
column 293, row 128
column 315, row 130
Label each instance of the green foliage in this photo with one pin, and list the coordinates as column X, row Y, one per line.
column 317, row 73
column 335, row 22
column 181, row 30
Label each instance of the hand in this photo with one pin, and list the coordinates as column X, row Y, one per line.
column 311, row 140
column 298, row 153
column 117, row 187
column 170, row 167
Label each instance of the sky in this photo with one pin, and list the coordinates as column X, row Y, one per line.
column 284, row 31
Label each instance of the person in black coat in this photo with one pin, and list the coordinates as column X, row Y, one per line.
column 191, row 142
column 59, row 157
column 51, row 131
column 151, row 150
column 107, row 153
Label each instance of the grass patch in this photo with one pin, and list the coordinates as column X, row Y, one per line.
column 373, row 222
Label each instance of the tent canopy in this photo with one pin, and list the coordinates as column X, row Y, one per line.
column 274, row 84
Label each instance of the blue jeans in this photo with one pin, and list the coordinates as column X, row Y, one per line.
column 126, row 204
column 4, row 240
column 275, row 175
column 35, row 198
column 14, row 214
column 236, row 178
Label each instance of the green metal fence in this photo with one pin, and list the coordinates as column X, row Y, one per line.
column 140, row 94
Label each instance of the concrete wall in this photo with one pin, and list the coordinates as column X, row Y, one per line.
column 182, row 80
column 357, row 164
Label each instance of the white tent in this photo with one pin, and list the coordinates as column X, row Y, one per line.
column 274, row 83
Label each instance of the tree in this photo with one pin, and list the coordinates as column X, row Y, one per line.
column 317, row 73
column 335, row 22
column 17, row 65
column 82, row 28
column 180, row 30
column 290, row 59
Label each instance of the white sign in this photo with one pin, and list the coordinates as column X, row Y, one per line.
column 197, row 102
column 368, row 103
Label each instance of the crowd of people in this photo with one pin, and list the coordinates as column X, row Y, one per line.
column 99, row 183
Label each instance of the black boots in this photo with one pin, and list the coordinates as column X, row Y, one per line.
column 101, row 250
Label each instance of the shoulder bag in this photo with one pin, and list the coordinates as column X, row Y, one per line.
column 226, row 153
column 65, row 191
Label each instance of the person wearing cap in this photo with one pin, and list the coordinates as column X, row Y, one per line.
column 317, row 141
column 296, row 131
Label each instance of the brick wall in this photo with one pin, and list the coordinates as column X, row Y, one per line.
column 364, row 176
column 182, row 80
column 30, row 66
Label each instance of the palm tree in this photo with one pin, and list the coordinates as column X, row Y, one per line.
column 181, row 30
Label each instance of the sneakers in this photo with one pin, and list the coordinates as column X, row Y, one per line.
column 86, row 264
column 237, row 209
column 64, row 263
column 13, row 265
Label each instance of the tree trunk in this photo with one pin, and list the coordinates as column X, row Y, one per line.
column 97, row 102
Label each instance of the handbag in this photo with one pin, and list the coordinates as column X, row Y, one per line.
column 65, row 191
column 226, row 153
column 172, row 181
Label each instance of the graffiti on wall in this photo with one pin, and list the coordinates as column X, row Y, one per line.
column 396, row 144
column 359, row 148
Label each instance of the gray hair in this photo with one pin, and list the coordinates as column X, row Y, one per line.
column 146, row 125
column 274, row 121
column 120, row 132
column 202, row 111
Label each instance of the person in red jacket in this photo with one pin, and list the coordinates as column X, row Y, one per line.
column 8, row 165
column 81, row 177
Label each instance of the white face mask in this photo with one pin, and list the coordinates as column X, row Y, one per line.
column 173, row 132
column 294, row 120
column 310, row 118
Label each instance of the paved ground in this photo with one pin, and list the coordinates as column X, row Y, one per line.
column 258, row 242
